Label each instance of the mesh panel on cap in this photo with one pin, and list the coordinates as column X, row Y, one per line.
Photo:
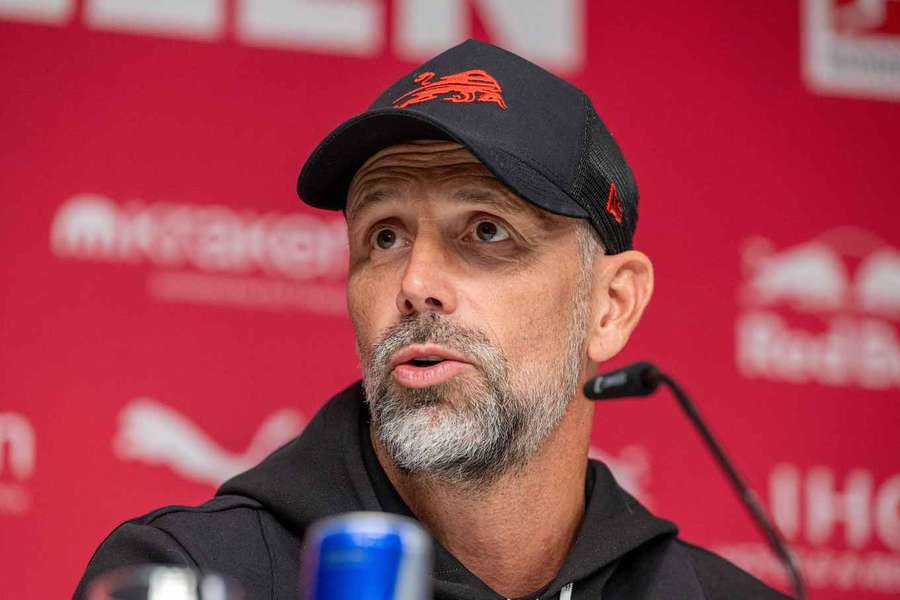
column 602, row 162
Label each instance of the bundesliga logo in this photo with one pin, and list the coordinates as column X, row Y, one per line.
column 852, row 48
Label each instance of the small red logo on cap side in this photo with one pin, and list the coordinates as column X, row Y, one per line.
column 612, row 203
column 474, row 85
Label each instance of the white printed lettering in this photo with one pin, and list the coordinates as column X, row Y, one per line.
column 52, row 12
column 17, row 445
column 826, row 506
column 202, row 19
column 784, row 491
column 887, row 513
column 354, row 27
column 550, row 33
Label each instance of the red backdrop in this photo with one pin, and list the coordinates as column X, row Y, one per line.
column 169, row 312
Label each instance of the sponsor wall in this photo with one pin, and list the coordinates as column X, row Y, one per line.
column 169, row 312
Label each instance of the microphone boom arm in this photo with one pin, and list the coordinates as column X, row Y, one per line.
column 642, row 379
column 748, row 497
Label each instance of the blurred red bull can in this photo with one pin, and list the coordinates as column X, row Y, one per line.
column 366, row 556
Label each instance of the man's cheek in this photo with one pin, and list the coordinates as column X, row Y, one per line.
column 365, row 302
column 538, row 335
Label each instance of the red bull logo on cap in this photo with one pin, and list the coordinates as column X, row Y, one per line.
column 612, row 203
column 473, row 85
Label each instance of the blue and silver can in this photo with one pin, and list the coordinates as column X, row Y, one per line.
column 366, row 556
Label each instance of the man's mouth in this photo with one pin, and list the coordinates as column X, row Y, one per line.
column 422, row 365
column 425, row 361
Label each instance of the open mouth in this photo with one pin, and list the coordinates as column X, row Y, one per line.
column 421, row 365
column 425, row 361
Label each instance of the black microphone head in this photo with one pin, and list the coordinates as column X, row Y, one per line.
column 637, row 379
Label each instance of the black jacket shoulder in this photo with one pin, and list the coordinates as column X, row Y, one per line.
column 228, row 534
column 723, row 580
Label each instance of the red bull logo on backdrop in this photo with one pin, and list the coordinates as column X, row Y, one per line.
column 852, row 47
column 821, row 311
column 211, row 254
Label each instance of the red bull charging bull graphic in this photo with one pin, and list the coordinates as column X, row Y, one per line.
column 823, row 311
column 468, row 86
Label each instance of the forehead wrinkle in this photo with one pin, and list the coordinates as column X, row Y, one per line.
column 368, row 199
column 419, row 173
column 378, row 181
column 421, row 152
column 385, row 174
column 407, row 158
column 404, row 159
column 372, row 187
column 479, row 190
column 502, row 198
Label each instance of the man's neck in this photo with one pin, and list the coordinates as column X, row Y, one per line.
column 515, row 534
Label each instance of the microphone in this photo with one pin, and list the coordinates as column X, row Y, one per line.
column 637, row 379
column 641, row 379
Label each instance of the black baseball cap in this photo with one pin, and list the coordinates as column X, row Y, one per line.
column 538, row 134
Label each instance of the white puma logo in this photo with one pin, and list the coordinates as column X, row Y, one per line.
column 154, row 433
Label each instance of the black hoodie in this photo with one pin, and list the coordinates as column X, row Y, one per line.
column 253, row 528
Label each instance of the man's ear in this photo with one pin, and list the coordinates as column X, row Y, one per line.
column 623, row 284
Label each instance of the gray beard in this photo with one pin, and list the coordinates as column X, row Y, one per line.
column 473, row 429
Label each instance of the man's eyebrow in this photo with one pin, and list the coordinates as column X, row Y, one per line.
column 367, row 199
column 499, row 200
column 504, row 201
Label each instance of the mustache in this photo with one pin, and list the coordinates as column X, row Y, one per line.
column 434, row 329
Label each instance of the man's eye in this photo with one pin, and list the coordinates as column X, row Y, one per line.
column 488, row 231
column 384, row 238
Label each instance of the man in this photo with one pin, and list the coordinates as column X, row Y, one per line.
column 490, row 216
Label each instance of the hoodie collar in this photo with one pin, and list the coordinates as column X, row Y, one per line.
column 331, row 468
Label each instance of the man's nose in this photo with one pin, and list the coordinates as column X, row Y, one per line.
column 426, row 285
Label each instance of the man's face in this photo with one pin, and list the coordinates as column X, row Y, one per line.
column 470, row 309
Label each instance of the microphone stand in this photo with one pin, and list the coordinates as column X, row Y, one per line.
column 750, row 500
column 642, row 379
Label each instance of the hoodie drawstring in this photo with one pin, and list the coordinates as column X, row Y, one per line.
column 565, row 593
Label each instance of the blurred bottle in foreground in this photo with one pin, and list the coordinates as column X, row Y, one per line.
column 366, row 556
column 163, row 582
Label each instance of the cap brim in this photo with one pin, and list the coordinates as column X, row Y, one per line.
column 325, row 178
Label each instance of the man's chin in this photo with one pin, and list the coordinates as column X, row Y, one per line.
column 452, row 395
column 405, row 399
